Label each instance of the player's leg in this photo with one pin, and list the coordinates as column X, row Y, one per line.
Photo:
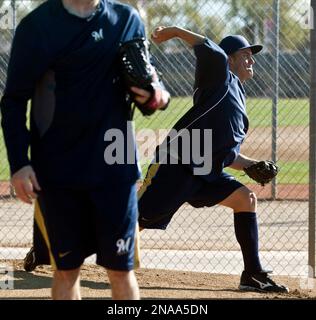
column 164, row 190
column 230, row 193
column 68, row 235
column 124, row 285
column 115, row 217
column 244, row 204
column 66, row 285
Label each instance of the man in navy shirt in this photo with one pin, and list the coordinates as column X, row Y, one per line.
column 219, row 104
column 64, row 58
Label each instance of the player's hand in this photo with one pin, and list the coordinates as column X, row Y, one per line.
column 25, row 184
column 142, row 96
column 162, row 34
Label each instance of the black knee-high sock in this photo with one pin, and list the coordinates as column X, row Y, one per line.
column 246, row 230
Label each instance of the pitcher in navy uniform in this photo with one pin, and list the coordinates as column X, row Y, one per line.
column 64, row 58
column 219, row 104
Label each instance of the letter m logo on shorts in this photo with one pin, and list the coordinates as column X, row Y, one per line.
column 123, row 246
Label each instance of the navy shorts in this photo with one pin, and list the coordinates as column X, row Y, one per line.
column 167, row 187
column 77, row 223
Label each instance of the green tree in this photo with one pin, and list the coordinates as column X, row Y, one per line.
column 254, row 21
column 188, row 14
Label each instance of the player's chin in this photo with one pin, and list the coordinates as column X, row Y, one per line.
column 249, row 73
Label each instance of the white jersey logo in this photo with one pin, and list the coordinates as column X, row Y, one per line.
column 97, row 35
column 123, row 246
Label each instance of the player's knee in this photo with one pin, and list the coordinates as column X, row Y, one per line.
column 253, row 201
column 247, row 202
column 118, row 276
column 67, row 276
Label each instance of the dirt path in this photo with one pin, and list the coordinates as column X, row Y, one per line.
column 292, row 143
column 154, row 284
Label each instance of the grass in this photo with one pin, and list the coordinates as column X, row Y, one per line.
column 4, row 166
column 290, row 173
column 291, row 112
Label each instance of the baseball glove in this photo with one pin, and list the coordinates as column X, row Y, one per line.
column 262, row 172
column 138, row 71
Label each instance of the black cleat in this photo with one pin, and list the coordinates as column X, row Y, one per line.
column 29, row 262
column 260, row 282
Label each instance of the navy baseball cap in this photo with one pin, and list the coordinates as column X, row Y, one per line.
column 232, row 44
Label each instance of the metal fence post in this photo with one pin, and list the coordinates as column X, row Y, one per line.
column 312, row 157
column 13, row 6
column 275, row 98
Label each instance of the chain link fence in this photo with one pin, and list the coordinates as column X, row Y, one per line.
column 278, row 109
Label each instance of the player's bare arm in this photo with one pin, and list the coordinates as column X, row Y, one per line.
column 162, row 34
column 242, row 162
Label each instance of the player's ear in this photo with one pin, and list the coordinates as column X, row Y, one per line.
column 231, row 61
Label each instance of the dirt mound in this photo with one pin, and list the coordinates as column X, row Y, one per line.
column 154, row 284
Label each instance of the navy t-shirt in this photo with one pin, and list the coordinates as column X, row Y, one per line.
column 68, row 66
column 219, row 104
